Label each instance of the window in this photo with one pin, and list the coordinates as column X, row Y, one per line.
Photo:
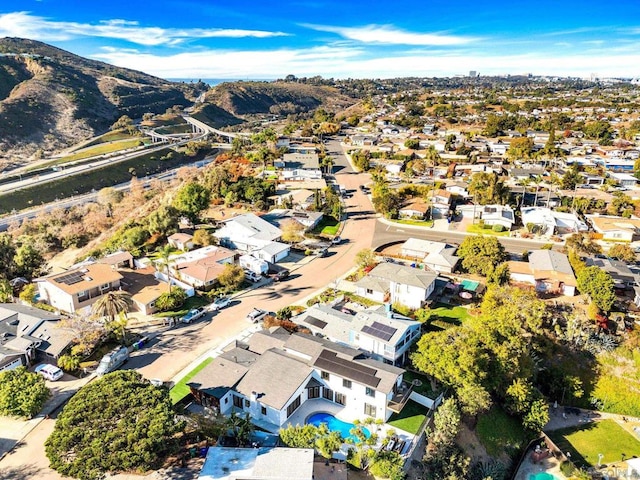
column 369, row 291
column 293, row 406
column 104, row 287
column 226, row 400
column 82, row 294
column 313, row 392
column 370, row 410
column 237, row 401
column 327, row 393
column 263, row 410
column 370, row 392
column 247, row 403
column 346, row 383
column 341, row 398
column 324, row 375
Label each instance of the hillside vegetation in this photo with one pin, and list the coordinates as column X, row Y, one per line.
column 51, row 99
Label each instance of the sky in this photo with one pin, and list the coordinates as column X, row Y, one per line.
column 268, row 39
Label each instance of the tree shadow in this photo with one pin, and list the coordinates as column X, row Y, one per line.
column 23, row 472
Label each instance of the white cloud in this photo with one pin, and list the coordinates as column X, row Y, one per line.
column 389, row 35
column 25, row 25
column 350, row 63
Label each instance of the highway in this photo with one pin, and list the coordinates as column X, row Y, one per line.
column 18, row 217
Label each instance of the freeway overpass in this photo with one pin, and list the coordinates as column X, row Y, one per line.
column 204, row 128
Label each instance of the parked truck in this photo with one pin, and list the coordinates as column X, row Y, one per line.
column 113, row 360
column 253, row 264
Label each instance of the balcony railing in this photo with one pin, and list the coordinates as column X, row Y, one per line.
column 400, row 398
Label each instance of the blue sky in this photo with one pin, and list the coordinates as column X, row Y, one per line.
column 265, row 39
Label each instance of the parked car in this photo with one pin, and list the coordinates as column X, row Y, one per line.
column 252, row 276
column 257, row 315
column 337, row 240
column 193, row 314
column 50, row 372
column 323, row 252
column 220, row 303
column 113, row 360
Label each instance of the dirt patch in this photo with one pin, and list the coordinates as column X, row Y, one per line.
column 469, row 442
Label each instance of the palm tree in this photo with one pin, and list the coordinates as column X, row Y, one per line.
column 112, row 305
column 165, row 253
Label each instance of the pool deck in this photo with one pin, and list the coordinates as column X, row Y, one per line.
column 320, row 405
column 529, row 467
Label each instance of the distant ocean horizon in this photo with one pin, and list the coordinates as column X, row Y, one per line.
column 216, row 81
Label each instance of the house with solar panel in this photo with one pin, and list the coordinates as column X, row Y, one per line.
column 385, row 336
column 393, row 283
column 280, row 378
column 79, row 287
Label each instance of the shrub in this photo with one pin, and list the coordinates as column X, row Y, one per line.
column 498, row 228
column 567, row 468
column 69, row 363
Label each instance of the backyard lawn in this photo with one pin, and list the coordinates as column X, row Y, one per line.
column 499, row 432
column 423, row 387
column 180, row 389
column 410, row 418
column 585, row 442
column 445, row 316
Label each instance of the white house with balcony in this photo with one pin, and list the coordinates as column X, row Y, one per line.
column 277, row 372
column 384, row 336
column 393, row 283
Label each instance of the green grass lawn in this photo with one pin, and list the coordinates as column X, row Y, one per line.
column 499, row 432
column 180, row 389
column 585, row 442
column 477, row 229
column 445, row 316
column 191, row 302
column 410, row 418
column 419, row 223
column 327, row 226
column 425, row 387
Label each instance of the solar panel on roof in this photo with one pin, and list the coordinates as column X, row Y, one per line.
column 379, row 330
column 330, row 361
column 316, row 322
column 71, row 278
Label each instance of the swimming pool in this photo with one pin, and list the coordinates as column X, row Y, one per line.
column 335, row 425
column 542, row 476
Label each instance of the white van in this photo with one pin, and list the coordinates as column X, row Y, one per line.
column 113, row 360
column 50, row 372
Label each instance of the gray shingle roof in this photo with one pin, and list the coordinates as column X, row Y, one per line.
column 403, row 275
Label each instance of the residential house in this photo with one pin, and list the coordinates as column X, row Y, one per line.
column 624, row 278
column 145, row 287
column 199, row 268
column 548, row 270
column 297, row 199
column 415, row 207
column 393, row 283
column 181, row 241
column 499, row 147
column 79, row 287
column 549, row 222
column 437, row 256
column 27, row 333
column 277, row 372
column 624, row 179
column 309, row 220
column 383, row 336
column 490, row 214
column 364, row 140
column 613, row 228
column 235, row 463
column 120, row 259
column 441, row 201
column 300, row 167
column 459, row 189
column 251, row 234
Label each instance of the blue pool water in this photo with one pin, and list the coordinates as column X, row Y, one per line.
column 335, row 425
column 542, row 476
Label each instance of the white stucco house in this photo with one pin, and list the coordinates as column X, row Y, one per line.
column 393, row 283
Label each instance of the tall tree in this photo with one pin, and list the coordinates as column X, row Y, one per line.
column 22, row 393
column 487, row 188
column 599, row 285
column 192, row 199
column 481, row 254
